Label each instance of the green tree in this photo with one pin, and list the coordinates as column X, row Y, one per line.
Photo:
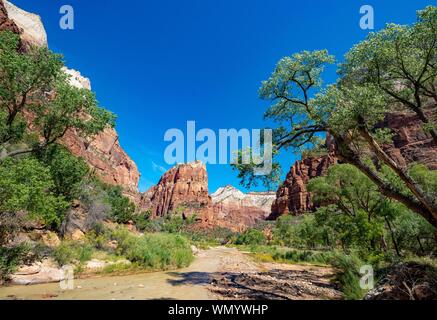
column 34, row 84
column 122, row 209
column 24, row 79
column 400, row 62
column 67, row 171
column 358, row 215
column 354, row 208
column 27, row 186
column 348, row 112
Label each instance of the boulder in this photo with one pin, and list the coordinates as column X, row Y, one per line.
column 39, row 272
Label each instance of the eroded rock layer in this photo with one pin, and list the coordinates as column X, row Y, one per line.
column 292, row 196
column 411, row 144
column 236, row 210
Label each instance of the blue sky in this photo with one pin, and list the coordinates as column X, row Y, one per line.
column 158, row 64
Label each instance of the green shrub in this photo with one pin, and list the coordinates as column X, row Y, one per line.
column 122, row 209
column 25, row 185
column 206, row 237
column 11, row 258
column 68, row 252
column 251, row 237
column 168, row 224
column 348, row 275
column 155, row 251
column 67, row 171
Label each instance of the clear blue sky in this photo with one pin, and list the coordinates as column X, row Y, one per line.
column 157, row 64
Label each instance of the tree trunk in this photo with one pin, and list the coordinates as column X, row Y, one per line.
column 348, row 156
column 400, row 172
column 420, row 245
column 393, row 238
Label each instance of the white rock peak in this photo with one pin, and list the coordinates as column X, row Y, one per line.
column 32, row 27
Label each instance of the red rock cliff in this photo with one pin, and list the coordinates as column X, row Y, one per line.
column 183, row 187
column 236, row 210
column 410, row 143
column 292, row 196
column 184, row 190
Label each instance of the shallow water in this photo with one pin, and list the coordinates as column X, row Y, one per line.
column 188, row 283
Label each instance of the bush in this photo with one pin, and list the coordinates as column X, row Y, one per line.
column 10, row 259
column 25, row 185
column 348, row 275
column 122, row 209
column 214, row 236
column 251, row 237
column 156, row 251
column 168, row 224
column 68, row 252
column 67, row 171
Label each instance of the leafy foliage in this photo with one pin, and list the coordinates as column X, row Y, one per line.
column 251, row 237
column 122, row 209
column 156, row 251
column 10, row 259
column 67, row 171
column 26, row 185
column 393, row 69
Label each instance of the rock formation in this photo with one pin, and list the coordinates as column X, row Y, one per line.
column 236, row 210
column 410, row 143
column 183, row 188
column 29, row 25
column 292, row 196
column 102, row 152
column 5, row 22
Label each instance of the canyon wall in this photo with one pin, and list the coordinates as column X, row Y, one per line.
column 102, row 152
column 236, row 210
column 411, row 144
column 183, row 188
column 292, row 196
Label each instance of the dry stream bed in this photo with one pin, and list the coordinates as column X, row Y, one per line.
column 216, row 273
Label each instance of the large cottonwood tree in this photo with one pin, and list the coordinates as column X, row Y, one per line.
column 391, row 70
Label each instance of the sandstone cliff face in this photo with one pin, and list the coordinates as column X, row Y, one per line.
column 183, row 188
column 292, row 196
column 29, row 25
column 102, row 152
column 236, row 210
column 410, row 143
column 5, row 22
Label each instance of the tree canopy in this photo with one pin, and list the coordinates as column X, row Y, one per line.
column 392, row 70
column 34, row 86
